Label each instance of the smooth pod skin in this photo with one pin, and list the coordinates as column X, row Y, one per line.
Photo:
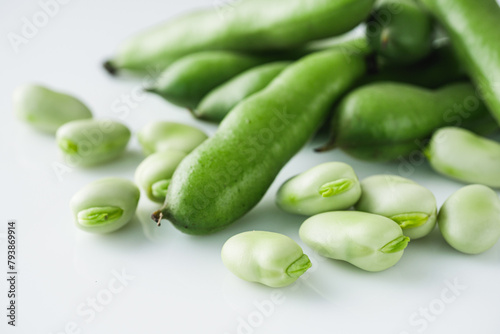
column 187, row 81
column 385, row 121
column 229, row 173
column 473, row 30
column 154, row 173
column 370, row 242
column 401, row 31
column 105, row 205
column 217, row 104
column 327, row 187
column 245, row 26
column 269, row 258
column 92, row 142
column 167, row 136
column 469, row 219
column 45, row 109
column 465, row 156
column 410, row 205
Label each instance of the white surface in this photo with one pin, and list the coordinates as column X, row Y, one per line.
column 180, row 284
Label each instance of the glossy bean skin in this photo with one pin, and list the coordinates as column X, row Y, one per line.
column 268, row 258
column 370, row 242
column 409, row 204
column 45, row 109
column 473, row 30
column 327, row 187
column 250, row 26
column 229, row 173
column 92, row 142
column 469, row 219
column 186, row 82
column 105, row 205
column 217, row 104
column 153, row 175
column 465, row 156
column 401, row 31
column 386, row 121
column 161, row 136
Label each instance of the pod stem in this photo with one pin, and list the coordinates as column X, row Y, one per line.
column 110, row 68
column 330, row 145
column 157, row 216
column 385, row 37
column 299, row 267
column 395, row 245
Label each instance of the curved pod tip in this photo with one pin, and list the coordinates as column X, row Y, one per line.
column 110, row 67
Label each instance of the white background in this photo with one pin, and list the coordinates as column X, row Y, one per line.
column 179, row 283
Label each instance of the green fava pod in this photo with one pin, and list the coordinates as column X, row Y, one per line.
column 227, row 175
column 400, row 31
column 92, row 142
column 192, row 77
column 409, row 204
column 370, row 242
column 105, row 205
column 473, row 30
column 469, row 219
column 269, row 258
column 249, row 26
column 153, row 175
column 385, row 121
column 221, row 100
column 326, row 187
column 465, row 156
column 166, row 136
column 45, row 109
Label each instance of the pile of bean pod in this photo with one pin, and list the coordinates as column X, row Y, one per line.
column 423, row 78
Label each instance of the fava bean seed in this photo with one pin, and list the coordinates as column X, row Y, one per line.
column 326, row 187
column 154, row 173
column 465, row 156
column 469, row 219
column 370, row 242
column 45, row 109
column 409, row 204
column 269, row 258
column 105, row 205
column 92, row 142
column 166, row 136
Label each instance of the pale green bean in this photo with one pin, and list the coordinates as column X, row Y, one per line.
column 105, row 205
column 269, row 258
column 465, row 156
column 154, row 173
column 469, row 220
column 165, row 136
column 326, row 187
column 409, row 204
column 370, row 242
column 45, row 109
